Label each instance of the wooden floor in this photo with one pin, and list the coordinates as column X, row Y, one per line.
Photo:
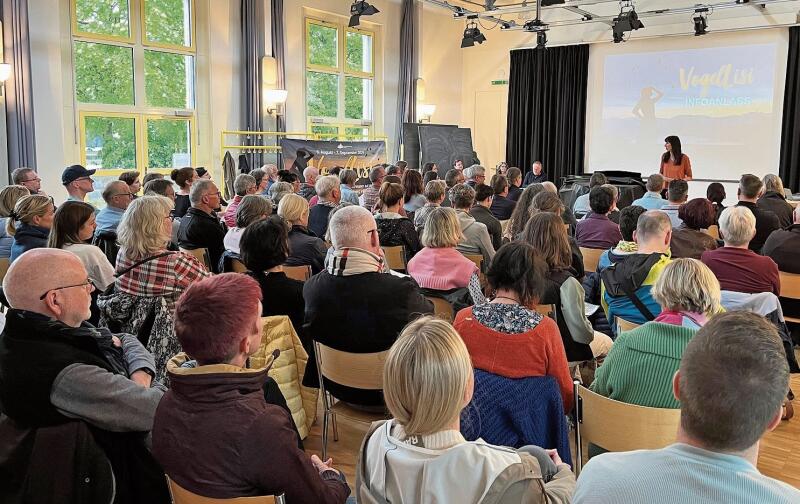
column 779, row 457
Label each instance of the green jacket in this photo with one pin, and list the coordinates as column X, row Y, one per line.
column 640, row 366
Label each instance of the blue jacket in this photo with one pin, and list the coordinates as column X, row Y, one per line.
column 28, row 237
column 650, row 201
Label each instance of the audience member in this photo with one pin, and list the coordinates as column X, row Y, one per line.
column 480, row 211
column 200, row 227
column 628, row 219
column 271, row 174
column 30, row 223
column 439, row 266
column 750, row 189
column 501, row 168
column 152, row 176
column 452, row 178
column 163, row 187
column 458, row 165
column 117, row 195
column 689, row 239
column 546, row 233
column 369, row 196
column 773, row 199
column 434, row 196
column 476, row 237
column 548, row 202
column 305, row 248
column 782, row 246
column 402, row 165
column 475, row 174
column 581, row 206
column 356, row 304
column 627, row 283
column 640, row 366
column 428, row 380
column 507, row 336
column 677, row 194
column 715, row 193
column 413, row 198
column 280, row 190
column 262, row 180
column 290, row 178
column 502, row 207
column 347, row 182
column 307, row 190
column 431, row 175
column 183, row 178
column 327, row 188
column 78, row 182
column 536, row 175
column 731, row 385
column 394, row 170
column 427, row 167
column 736, row 266
column 652, row 199
column 8, row 200
column 522, row 212
column 252, row 208
column 243, row 185
column 72, row 371
column 28, row 178
column 73, row 226
column 514, row 176
column 393, row 228
column 131, row 177
column 596, row 230
column 566, row 213
column 239, row 444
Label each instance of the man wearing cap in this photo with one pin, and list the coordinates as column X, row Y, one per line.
column 78, row 182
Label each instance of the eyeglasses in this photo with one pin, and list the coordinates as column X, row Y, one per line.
column 37, row 179
column 83, row 178
column 372, row 231
column 88, row 283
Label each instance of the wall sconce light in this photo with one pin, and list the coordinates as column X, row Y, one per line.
column 5, row 73
column 425, row 111
column 275, row 98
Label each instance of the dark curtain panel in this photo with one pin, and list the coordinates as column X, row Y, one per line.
column 279, row 53
column 18, row 92
column 790, row 133
column 407, row 89
column 547, row 109
column 252, row 52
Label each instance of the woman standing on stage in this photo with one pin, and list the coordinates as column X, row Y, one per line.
column 674, row 163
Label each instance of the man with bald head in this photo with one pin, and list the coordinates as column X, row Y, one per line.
column 356, row 304
column 55, row 368
column 307, row 188
column 117, row 196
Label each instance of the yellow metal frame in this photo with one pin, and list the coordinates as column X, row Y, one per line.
column 130, row 39
column 145, row 141
column 152, row 43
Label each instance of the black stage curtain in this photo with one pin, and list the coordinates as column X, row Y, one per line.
column 547, row 109
column 790, row 134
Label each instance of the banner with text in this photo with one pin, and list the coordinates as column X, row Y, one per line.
column 324, row 155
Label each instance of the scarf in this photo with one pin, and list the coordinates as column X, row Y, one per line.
column 353, row 261
column 627, row 247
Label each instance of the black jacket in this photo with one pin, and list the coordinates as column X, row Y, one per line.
column 766, row 223
column 502, row 207
column 282, row 295
column 318, row 219
column 776, row 203
column 182, row 205
column 514, row 193
column 305, row 248
column 485, row 217
column 201, row 230
column 783, row 246
column 530, row 178
column 361, row 314
column 394, row 232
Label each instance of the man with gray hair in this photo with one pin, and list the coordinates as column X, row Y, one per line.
column 243, row 185
column 308, row 188
column 27, row 177
column 475, row 174
column 370, row 194
column 652, row 199
column 200, row 227
column 327, row 189
column 750, row 189
column 626, row 284
column 356, row 304
column 476, row 238
column 117, row 195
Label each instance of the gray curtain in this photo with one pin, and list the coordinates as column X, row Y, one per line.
column 252, row 52
column 407, row 89
column 279, row 53
column 18, row 92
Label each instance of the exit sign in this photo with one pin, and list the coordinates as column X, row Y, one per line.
column 499, row 82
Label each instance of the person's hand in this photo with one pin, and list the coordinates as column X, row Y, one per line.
column 553, row 454
column 116, row 341
column 142, row 378
column 321, row 466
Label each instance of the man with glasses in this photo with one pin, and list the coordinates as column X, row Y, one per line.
column 56, row 369
column 201, row 227
column 117, row 196
column 78, row 182
column 28, row 177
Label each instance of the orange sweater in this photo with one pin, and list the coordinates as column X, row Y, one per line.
column 673, row 171
column 538, row 352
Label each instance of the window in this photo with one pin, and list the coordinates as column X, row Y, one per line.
column 339, row 80
column 134, row 77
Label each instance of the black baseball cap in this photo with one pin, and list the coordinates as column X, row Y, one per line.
column 74, row 172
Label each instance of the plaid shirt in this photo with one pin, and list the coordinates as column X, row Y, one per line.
column 166, row 276
column 369, row 197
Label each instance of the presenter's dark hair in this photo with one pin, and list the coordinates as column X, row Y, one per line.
column 675, row 142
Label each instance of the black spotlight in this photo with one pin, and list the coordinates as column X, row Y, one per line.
column 541, row 40
column 358, row 9
column 627, row 21
column 700, row 25
column 472, row 34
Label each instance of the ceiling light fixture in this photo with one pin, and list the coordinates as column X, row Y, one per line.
column 700, row 22
column 472, row 34
column 358, row 9
column 626, row 22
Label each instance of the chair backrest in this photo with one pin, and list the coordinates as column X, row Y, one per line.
column 4, row 264
column 395, row 257
column 547, row 310
column 590, row 258
column 442, row 308
column 713, row 231
column 357, row 370
column 616, row 426
column 790, row 285
column 625, row 325
column 201, row 254
column 301, row 273
column 237, row 266
column 477, row 259
column 182, row 496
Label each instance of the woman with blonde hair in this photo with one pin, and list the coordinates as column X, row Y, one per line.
column 774, row 200
column 428, row 380
column 393, row 228
column 29, row 224
column 640, row 366
column 8, row 199
column 305, row 248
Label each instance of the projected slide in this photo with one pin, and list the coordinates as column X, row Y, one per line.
column 725, row 103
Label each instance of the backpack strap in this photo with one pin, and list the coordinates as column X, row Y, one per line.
column 637, row 302
column 139, row 263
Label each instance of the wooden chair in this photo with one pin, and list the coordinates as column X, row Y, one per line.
column 616, row 426
column 180, row 495
column 790, row 289
column 356, row 370
column 624, row 325
column 713, row 231
column 477, row 259
column 238, row 266
column 395, row 257
column 201, row 254
column 301, row 273
column 547, row 310
column 590, row 258
column 442, row 308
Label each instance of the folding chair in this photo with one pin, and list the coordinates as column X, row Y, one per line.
column 301, row 273
column 713, row 231
column 624, row 325
column 547, row 310
column 442, row 308
column 395, row 257
column 790, row 289
column 180, row 495
column 591, row 257
column 238, row 266
column 201, row 254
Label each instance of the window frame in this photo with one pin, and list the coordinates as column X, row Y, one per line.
column 99, row 37
column 161, row 45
